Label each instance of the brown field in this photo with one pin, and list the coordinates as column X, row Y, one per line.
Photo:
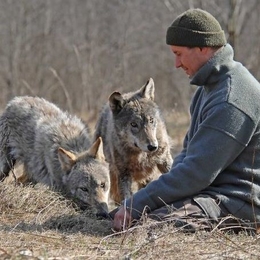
column 36, row 223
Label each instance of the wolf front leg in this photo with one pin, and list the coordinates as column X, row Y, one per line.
column 121, row 183
column 125, row 185
column 165, row 164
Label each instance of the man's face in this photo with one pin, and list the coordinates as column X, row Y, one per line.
column 189, row 59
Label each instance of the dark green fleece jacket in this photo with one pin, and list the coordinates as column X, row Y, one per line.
column 221, row 152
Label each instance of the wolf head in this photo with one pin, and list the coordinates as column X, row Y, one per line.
column 86, row 177
column 136, row 117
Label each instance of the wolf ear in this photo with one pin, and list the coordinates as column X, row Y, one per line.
column 116, row 102
column 96, row 150
column 67, row 159
column 147, row 91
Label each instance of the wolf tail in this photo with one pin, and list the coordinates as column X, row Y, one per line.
column 6, row 159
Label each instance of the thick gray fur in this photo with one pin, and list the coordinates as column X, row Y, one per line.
column 55, row 149
column 136, row 143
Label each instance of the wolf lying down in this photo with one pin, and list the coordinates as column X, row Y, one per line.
column 55, row 149
column 136, row 143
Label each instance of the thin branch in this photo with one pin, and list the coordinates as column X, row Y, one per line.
column 63, row 88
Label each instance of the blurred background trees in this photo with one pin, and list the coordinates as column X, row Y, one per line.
column 75, row 53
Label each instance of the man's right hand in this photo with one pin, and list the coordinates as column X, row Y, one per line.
column 122, row 219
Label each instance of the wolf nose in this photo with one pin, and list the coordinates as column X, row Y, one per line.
column 151, row 148
column 103, row 215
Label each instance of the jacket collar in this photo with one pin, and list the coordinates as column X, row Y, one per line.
column 215, row 68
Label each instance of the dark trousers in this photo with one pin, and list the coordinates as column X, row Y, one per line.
column 191, row 215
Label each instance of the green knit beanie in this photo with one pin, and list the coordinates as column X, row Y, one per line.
column 195, row 28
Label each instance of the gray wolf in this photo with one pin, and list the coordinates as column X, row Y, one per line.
column 55, row 149
column 136, row 143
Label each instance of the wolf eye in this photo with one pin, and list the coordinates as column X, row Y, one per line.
column 103, row 185
column 133, row 124
column 84, row 189
column 151, row 120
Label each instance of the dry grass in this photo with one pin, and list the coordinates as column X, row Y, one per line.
column 37, row 223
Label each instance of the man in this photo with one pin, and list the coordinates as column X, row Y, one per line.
column 217, row 174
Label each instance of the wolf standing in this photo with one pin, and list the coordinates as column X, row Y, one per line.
column 136, row 143
column 55, row 149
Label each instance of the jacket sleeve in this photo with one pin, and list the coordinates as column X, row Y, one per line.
column 179, row 158
column 218, row 141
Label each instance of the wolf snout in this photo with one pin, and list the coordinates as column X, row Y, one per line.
column 102, row 210
column 152, row 148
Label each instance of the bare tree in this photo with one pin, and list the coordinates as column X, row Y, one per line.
column 75, row 53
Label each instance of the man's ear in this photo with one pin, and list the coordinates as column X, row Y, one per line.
column 208, row 51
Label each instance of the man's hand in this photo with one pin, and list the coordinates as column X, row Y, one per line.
column 122, row 219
